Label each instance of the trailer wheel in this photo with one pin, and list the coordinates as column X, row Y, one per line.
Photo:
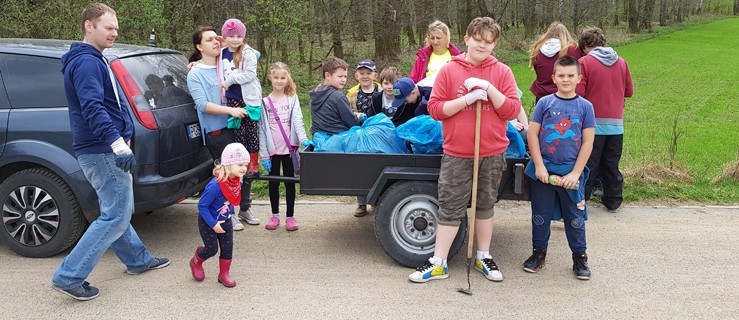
column 406, row 222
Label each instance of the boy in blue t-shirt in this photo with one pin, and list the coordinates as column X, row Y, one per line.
column 560, row 139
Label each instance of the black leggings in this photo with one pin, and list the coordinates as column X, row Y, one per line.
column 274, row 186
column 213, row 240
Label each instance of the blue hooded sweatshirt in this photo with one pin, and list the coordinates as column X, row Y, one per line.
column 96, row 117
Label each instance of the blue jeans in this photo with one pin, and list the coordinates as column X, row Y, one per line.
column 543, row 198
column 112, row 229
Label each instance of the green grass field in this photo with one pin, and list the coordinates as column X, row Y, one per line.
column 690, row 78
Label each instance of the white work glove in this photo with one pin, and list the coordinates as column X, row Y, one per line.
column 475, row 95
column 123, row 155
column 476, row 83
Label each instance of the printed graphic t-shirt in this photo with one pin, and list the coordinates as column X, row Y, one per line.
column 436, row 61
column 234, row 91
column 562, row 121
column 283, row 111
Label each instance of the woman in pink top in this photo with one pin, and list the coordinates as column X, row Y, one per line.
column 552, row 45
column 437, row 45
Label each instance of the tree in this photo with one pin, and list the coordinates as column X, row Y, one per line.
column 633, row 16
column 736, row 7
column 646, row 14
column 663, row 12
column 386, row 31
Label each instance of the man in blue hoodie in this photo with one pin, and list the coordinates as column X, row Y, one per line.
column 101, row 134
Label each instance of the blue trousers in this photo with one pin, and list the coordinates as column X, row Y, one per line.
column 112, row 229
column 544, row 197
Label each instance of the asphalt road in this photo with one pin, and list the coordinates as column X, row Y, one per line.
column 647, row 263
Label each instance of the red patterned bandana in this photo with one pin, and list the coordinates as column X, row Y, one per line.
column 231, row 189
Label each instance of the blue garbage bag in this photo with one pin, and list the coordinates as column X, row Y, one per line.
column 516, row 147
column 424, row 133
column 376, row 135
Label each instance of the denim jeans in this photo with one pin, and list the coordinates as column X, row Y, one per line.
column 112, row 229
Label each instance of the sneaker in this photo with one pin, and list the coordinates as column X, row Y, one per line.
column 236, row 223
column 429, row 271
column 536, row 261
column 83, row 293
column 272, row 223
column 360, row 211
column 249, row 217
column 489, row 269
column 291, row 224
column 158, row 264
column 580, row 266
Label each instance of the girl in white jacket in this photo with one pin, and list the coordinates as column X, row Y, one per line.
column 241, row 89
column 281, row 131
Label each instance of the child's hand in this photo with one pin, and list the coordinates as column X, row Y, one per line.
column 192, row 64
column 361, row 117
column 224, row 86
column 542, row 174
column 476, row 83
column 475, row 95
column 237, row 112
column 569, row 181
column 306, row 143
column 267, row 164
column 218, row 228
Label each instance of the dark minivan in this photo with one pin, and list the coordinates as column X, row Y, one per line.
column 46, row 200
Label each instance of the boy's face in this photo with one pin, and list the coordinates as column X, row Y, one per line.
column 365, row 76
column 387, row 87
column 413, row 96
column 479, row 47
column 336, row 79
column 566, row 79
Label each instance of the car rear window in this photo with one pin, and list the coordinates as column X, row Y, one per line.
column 33, row 82
column 161, row 77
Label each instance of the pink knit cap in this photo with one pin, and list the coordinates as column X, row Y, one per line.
column 234, row 153
column 233, row 27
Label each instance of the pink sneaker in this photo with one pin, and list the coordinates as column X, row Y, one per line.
column 273, row 223
column 291, row 224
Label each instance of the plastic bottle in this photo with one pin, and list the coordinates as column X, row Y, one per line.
column 554, row 180
column 152, row 39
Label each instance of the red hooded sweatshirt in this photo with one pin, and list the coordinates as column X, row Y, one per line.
column 459, row 129
column 423, row 56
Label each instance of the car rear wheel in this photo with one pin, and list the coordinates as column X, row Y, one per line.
column 40, row 214
column 406, row 223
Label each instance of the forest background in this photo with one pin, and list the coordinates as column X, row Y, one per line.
column 665, row 158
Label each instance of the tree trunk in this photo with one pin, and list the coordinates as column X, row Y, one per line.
column 529, row 17
column 663, row 12
column 336, row 24
column 736, row 7
column 647, row 13
column 576, row 13
column 615, row 13
column 633, row 16
column 386, row 31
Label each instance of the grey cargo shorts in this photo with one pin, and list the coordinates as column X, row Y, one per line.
column 455, row 186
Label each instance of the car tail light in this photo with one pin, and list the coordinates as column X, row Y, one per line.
column 136, row 99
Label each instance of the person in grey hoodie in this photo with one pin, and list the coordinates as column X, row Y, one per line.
column 606, row 81
column 329, row 107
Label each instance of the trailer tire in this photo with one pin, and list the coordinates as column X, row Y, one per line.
column 406, row 221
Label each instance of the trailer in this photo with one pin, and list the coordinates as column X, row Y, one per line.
column 403, row 190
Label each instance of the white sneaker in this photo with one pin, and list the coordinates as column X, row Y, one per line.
column 249, row 217
column 489, row 269
column 236, row 223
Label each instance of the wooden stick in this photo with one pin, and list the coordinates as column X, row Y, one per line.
column 475, row 172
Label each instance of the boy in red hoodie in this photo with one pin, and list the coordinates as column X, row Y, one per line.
column 468, row 78
column 606, row 81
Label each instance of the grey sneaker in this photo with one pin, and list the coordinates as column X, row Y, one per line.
column 83, row 293
column 158, row 264
column 249, row 217
column 236, row 223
